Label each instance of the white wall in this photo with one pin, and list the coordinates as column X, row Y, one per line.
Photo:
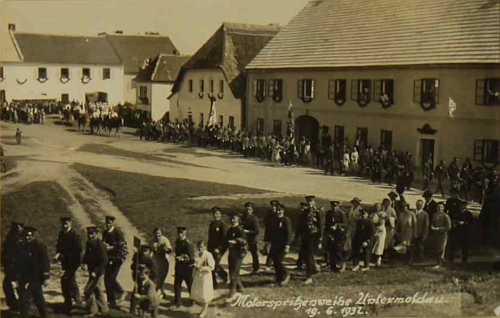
column 160, row 103
column 129, row 88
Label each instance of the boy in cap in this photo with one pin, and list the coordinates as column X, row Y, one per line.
column 144, row 294
column 216, row 244
column 236, row 240
column 96, row 259
column 34, row 271
column 69, row 253
column 251, row 227
column 460, row 231
column 279, row 237
column 335, row 231
column 10, row 263
column 184, row 260
column 116, row 246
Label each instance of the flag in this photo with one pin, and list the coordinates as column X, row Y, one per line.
column 212, row 120
column 291, row 123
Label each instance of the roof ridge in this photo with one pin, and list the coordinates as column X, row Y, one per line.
column 57, row 35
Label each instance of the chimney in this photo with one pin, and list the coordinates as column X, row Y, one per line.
column 119, row 32
column 12, row 27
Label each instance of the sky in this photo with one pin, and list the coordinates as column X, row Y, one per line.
column 189, row 23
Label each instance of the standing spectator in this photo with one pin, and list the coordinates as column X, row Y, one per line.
column 237, row 244
column 441, row 175
column 203, row 291
column 251, row 228
column 161, row 253
column 361, row 241
column 354, row 160
column 279, row 237
column 346, row 161
column 430, row 206
column 352, row 219
column 427, row 172
column 379, row 219
column 329, row 160
column 406, row 228
column 10, row 263
column 335, row 229
column 184, row 259
column 440, row 225
column 461, row 224
column 390, row 224
column 423, row 225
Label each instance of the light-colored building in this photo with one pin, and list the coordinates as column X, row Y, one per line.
column 133, row 50
column 62, row 68
column 217, row 70
column 154, row 84
column 419, row 76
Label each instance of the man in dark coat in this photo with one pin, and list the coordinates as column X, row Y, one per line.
column 335, row 232
column 116, row 246
column 236, row 240
column 10, row 263
column 271, row 215
column 279, row 237
column 461, row 225
column 430, row 206
column 216, row 244
column 453, row 204
column 69, row 253
column 34, row 271
column 362, row 241
column 251, row 227
column 96, row 259
column 184, row 260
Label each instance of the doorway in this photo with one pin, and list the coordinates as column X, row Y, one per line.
column 307, row 126
column 426, row 151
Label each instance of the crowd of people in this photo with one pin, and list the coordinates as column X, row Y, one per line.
column 365, row 235
column 30, row 112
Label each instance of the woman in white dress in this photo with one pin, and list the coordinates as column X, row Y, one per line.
column 379, row 218
column 352, row 218
column 354, row 161
column 202, row 291
column 346, row 161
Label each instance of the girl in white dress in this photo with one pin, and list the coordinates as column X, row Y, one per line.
column 379, row 218
column 202, row 290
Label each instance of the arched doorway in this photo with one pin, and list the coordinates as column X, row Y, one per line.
column 308, row 127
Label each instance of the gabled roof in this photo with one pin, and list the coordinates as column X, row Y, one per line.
column 350, row 33
column 63, row 49
column 163, row 68
column 230, row 49
column 134, row 49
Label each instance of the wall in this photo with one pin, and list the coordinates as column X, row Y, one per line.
column 160, row 102
column 53, row 88
column 455, row 135
column 185, row 103
column 129, row 88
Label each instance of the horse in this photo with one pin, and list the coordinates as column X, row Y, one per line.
column 113, row 122
column 82, row 122
column 95, row 125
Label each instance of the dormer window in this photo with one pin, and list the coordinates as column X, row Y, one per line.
column 276, row 89
column 488, row 92
column 305, row 90
column 337, row 91
column 426, row 93
column 361, row 91
column 259, row 89
column 383, row 92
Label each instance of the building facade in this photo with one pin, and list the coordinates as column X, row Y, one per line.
column 411, row 85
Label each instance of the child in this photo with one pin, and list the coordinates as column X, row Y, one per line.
column 18, row 136
column 144, row 295
column 202, row 291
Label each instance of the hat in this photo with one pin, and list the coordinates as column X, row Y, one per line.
column 310, row 197
column 92, row 229
column 427, row 194
column 14, row 224
column 281, row 206
column 356, row 199
column 274, row 202
column 110, row 218
column 29, row 229
column 334, row 202
column 181, row 228
column 215, row 209
column 65, row 219
column 393, row 194
column 248, row 204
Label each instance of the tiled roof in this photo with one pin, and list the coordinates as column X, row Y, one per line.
column 230, row 49
column 163, row 68
column 135, row 49
column 59, row 49
column 344, row 33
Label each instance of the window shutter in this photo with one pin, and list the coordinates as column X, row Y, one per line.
column 436, row 90
column 354, row 89
column 377, row 89
column 254, row 91
column 478, row 150
column 417, row 90
column 312, row 88
column 331, row 89
column 480, row 92
column 300, row 88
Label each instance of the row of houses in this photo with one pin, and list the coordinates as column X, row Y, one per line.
column 419, row 76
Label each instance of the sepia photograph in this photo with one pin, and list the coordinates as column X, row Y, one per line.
column 237, row 158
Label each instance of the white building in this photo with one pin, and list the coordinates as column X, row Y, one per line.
column 154, row 84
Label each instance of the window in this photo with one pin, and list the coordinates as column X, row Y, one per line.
column 201, row 118
column 42, row 73
column 260, row 125
column 276, row 89
column 361, row 91
column 259, row 89
column 486, row 151
column 65, row 98
column 386, row 139
column 231, row 121
column 190, row 86
column 106, row 73
column 64, row 73
column 339, row 134
column 211, row 86
column 221, row 120
column 221, row 87
column 426, row 92
column 202, row 86
column 337, row 91
column 488, row 92
column 362, row 135
column 383, row 92
column 143, row 94
column 86, row 73
column 305, row 90
column 1, row 72
column 277, row 128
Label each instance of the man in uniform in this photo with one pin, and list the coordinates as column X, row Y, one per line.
column 361, row 243
column 216, row 244
column 268, row 220
column 236, row 240
column 335, row 226
column 69, row 253
column 279, row 236
column 10, row 263
column 310, row 231
column 300, row 260
column 453, row 204
column 34, row 271
column 430, row 206
column 96, row 260
column 184, row 259
column 251, row 227
column 116, row 246
column 461, row 225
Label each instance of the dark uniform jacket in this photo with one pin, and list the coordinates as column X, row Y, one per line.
column 184, row 249
column 453, row 207
column 251, row 224
column 339, row 219
column 431, row 209
column 364, row 231
column 69, row 245
column 310, row 224
column 217, row 236
column 10, row 253
column 238, row 234
column 280, row 232
column 34, row 265
column 462, row 230
column 96, row 257
column 116, row 239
